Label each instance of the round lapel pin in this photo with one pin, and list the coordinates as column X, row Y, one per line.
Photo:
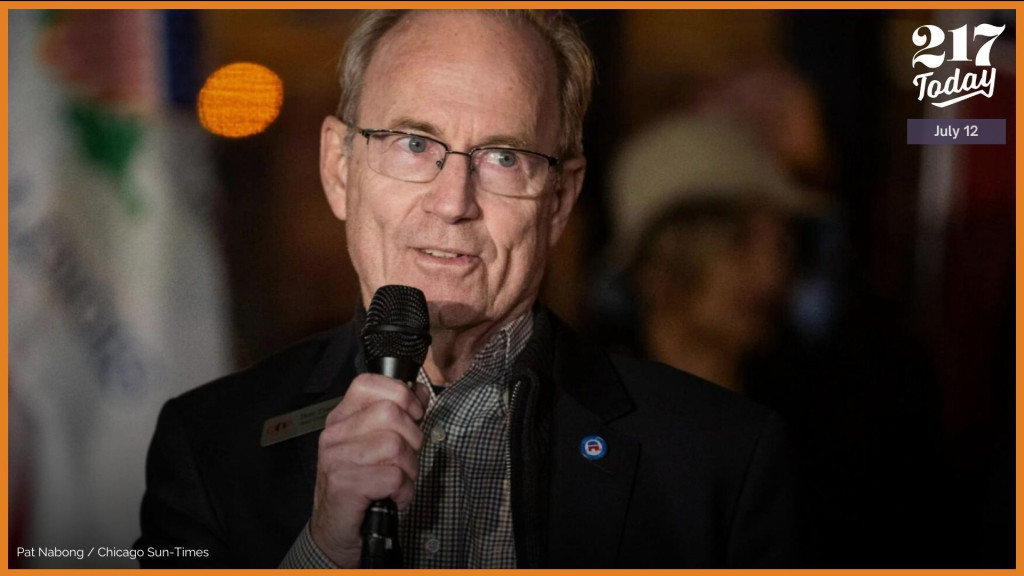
column 593, row 447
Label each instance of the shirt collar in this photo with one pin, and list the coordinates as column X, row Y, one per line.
column 494, row 360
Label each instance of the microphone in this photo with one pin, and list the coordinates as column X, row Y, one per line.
column 395, row 337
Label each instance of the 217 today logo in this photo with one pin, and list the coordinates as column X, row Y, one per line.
column 955, row 88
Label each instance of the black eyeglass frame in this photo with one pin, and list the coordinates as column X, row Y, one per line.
column 367, row 132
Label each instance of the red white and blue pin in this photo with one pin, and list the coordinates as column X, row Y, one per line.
column 593, row 447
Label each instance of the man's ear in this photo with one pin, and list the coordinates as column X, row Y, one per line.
column 334, row 164
column 567, row 190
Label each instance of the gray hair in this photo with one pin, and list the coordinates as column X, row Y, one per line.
column 573, row 60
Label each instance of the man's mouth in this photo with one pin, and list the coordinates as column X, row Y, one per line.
column 440, row 253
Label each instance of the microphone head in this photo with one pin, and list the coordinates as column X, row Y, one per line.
column 397, row 324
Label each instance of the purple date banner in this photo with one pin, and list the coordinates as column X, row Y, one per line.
column 956, row 131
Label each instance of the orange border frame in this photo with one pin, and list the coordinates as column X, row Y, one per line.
column 478, row 4
column 1018, row 207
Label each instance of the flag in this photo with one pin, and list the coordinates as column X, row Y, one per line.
column 116, row 287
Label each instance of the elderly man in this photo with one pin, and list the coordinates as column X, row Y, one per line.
column 455, row 162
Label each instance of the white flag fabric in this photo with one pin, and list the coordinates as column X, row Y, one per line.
column 116, row 288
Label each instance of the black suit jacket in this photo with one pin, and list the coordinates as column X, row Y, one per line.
column 693, row 476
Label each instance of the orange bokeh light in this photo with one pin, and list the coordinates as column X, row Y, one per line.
column 240, row 100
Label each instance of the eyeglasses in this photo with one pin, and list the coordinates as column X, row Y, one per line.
column 416, row 158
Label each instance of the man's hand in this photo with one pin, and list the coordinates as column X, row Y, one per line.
column 368, row 451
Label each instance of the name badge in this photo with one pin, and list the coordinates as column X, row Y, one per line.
column 293, row 424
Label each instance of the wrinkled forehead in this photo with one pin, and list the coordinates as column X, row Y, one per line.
column 468, row 60
column 470, row 37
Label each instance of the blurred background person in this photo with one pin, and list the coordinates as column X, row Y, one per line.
column 706, row 237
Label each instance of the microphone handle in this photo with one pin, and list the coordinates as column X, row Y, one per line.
column 398, row 368
column 380, row 536
column 380, row 524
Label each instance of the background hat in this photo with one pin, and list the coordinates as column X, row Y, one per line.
column 687, row 158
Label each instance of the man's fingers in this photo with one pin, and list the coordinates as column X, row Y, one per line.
column 342, row 482
column 422, row 392
column 377, row 417
column 367, row 389
column 380, row 448
column 367, row 451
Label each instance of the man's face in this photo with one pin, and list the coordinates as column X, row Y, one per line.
column 467, row 80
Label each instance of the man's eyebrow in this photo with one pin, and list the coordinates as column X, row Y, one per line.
column 504, row 140
column 429, row 129
column 406, row 123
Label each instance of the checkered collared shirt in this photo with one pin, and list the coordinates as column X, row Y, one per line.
column 461, row 515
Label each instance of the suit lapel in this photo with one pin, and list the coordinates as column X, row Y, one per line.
column 589, row 499
column 329, row 379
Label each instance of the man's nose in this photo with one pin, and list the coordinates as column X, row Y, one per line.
column 453, row 193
